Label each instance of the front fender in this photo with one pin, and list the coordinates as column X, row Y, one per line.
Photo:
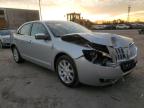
column 73, row 50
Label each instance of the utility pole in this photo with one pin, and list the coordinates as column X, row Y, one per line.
column 40, row 10
column 129, row 9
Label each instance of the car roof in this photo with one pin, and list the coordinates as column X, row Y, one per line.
column 47, row 21
column 39, row 21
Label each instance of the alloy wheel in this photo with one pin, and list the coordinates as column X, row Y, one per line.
column 66, row 71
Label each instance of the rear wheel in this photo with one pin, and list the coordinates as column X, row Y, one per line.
column 1, row 45
column 67, row 72
column 16, row 55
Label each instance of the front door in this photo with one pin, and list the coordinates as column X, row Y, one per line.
column 40, row 50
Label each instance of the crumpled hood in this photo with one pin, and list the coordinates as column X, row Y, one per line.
column 107, row 39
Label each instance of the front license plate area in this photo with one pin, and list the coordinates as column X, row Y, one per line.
column 128, row 65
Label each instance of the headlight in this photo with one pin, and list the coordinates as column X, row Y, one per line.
column 97, row 57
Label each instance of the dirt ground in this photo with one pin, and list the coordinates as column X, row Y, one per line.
column 30, row 86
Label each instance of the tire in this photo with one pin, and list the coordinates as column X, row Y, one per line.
column 1, row 45
column 16, row 55
column 67, row 72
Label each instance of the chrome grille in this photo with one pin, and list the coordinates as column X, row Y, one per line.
column 120, row 54
column 123, row 53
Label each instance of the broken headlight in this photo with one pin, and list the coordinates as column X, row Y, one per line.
column 97, row 57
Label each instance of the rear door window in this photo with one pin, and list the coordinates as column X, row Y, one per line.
column 25, row 30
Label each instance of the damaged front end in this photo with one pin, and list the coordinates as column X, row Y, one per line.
column 117, row 52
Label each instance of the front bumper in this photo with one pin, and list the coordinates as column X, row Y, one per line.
column 97, row 75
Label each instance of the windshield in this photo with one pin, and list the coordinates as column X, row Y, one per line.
column 63, row 28
column 4, row 33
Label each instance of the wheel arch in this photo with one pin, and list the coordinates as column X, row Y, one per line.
column 76, row 81
column 12, row 46
column 59, row 55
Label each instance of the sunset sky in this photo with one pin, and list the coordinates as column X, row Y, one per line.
column 89, row 9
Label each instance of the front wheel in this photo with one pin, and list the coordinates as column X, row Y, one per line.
column 16, row 55
column 67, row 73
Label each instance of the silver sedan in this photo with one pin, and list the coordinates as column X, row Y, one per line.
column 75, row 53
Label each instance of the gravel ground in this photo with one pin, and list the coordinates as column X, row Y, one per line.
column 30, row 86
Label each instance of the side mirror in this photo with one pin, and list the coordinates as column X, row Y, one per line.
column 42, row 36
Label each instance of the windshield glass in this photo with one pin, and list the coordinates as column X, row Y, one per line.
column 63, row 28
column 4, row 33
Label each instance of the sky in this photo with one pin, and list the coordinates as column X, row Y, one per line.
column 93, row 10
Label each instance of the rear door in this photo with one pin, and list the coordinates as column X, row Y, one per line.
column 41, row 50
column 22, row 39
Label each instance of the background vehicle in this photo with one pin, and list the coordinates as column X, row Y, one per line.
column 141, row 31
column 5, row 38
column 110, row 27
column 74, row 52
column 98, row 27
column 122, row 26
